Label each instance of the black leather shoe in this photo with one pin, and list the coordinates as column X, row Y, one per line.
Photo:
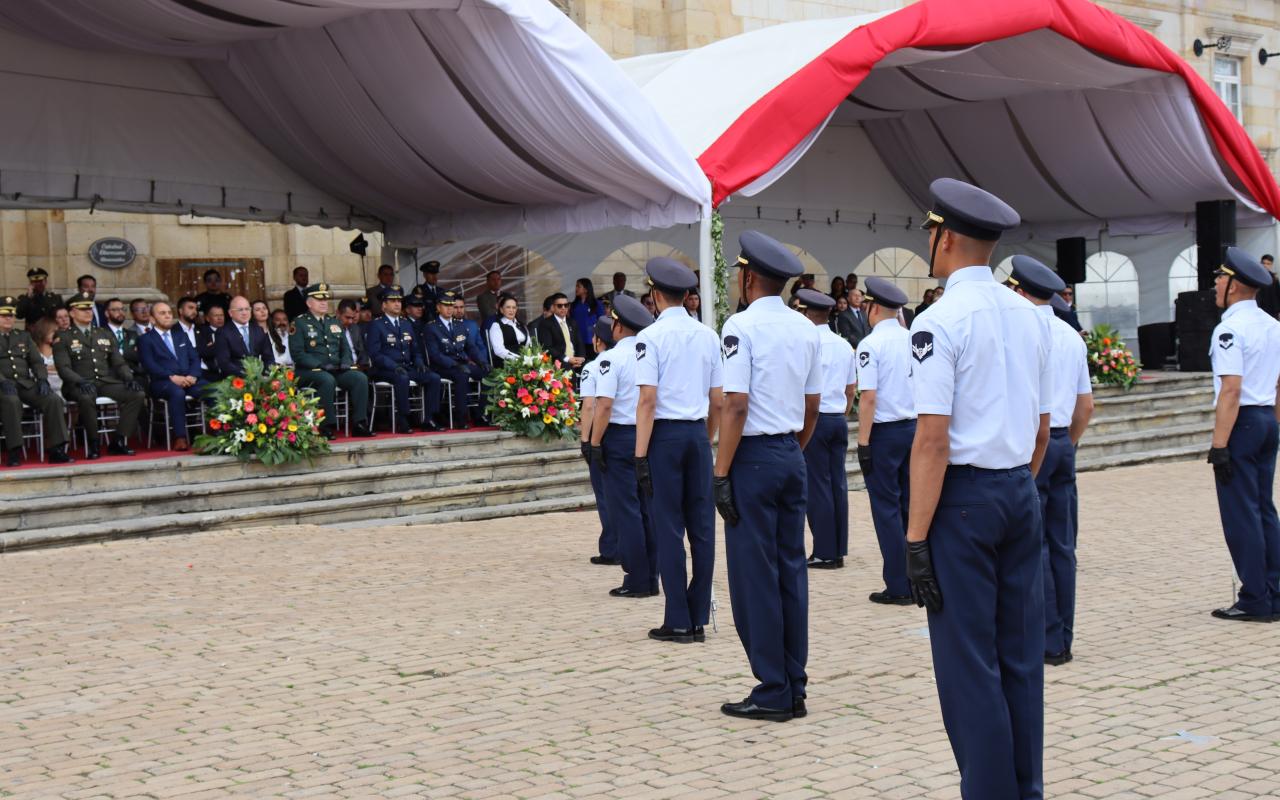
column 605, row 561
column 749, row 710
column 886, row 599
column 426, row 424
column 1236, row 614
column 329, row 433
column 93, row 453
column 58, row 455
column 797, row 708
column 623, row 591
column 119, row 448
column 825, row 563
column 678, row 635
column 13, row 458
column 362, row 431
column 1057, row 659
column 699, row 633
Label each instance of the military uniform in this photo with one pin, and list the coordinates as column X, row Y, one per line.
column 1246, row 343
column 22, row 380
column 91, row 365
column 323, row 362
column 608, row 540
column 453, row 355
column 395, row 357
column 31, row 306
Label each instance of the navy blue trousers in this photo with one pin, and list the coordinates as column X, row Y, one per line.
column 889, row 489
column 1248, row 513
column 608, row 542
column 828, row 506
column 459, row 375
column 428, row 380
column 768, row 579
column 176, row 398
column 988, row 640
column 682, row 504
column 628, row 516
column 1056, row 484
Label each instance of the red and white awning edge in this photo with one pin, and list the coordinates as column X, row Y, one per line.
column 747, row 134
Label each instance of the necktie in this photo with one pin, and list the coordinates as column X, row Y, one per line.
column 568, row 340
column 244, row 331
column 168, row 342
column 120, row 337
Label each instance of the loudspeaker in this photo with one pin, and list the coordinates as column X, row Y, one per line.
column 1195, row 315
column 359, row 245
column 1156, row 344
column 1215, row 232
column 1071, row 258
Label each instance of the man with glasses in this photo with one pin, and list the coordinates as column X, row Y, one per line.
column 1069, row 316
column 239, row 339
column 559, row 336
column 173, row 367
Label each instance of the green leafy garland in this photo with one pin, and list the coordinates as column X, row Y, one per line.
column 721, row 272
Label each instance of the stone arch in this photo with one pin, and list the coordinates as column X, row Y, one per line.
column 906, row 268
column 1182, row 275
column 1110, row 294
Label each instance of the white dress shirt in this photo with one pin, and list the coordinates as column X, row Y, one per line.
column 497, row 344
column 616, row 379
column 839, row 370
column 771, row 353
column 681, row 357
column 587, row 378
column 884, row 366
column 981, row 356
column 1247, row 343
column 1069, row 359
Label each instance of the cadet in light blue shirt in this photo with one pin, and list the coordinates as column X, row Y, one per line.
column 1245, row 350
column 608, row 542
column 679, row 373
column 613, row 448
column 772, row 387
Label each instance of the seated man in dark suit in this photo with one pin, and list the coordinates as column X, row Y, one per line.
column 239, row 339
column 207, row 340
column 396, row 357
column 172, row 367
column 453, row 356
column 559, row 336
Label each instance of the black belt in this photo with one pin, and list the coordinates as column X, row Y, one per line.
column 897, row 423
column 831, row 414
column 970, row 471
column 1265, row 408
column 789, row 435
column 1063, row 431
column 702, row 421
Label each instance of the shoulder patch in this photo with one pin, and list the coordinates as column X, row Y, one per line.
column 922, row 345
column 1226, row 340
column 730, row 346
column 604, row 367
column 864, row 358
column 640, row 351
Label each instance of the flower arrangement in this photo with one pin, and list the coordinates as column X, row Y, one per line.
column 1110, row 362
column 263, row 414
column 533, row 396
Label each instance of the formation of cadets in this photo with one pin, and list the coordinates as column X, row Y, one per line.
column 968, row 427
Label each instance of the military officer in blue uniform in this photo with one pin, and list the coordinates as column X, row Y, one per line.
column 679, row 372
column 454, row 356
column 324, row 362
column 613, row 450
column 396, row 357
column 608, row 541
column 429, row 290
column 981, row 384
column 824, row 456
column 1245, row 350
column 772, row 392
column 886, row 429
column 1071, row 406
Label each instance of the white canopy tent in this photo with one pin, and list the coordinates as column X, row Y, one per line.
column 428, row 119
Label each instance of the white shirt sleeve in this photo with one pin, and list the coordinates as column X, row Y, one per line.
column 933, row 382
column 1226, row 352
column 495, row 341
column 1083, row 384
column 736, row 350
column 587, row 381
column 646, row 361
column 867, row 367
column 1046, row 370
column 606, row 376
column 813, row 382
column 717, row 368
column 852, row 376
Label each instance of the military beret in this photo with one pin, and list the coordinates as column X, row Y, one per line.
column 969, row 211
column 882, row 291
column 812, row 298
column 430, row 267
column 37, row 274
column 1035, row 278
column 768, row 256
column 604, row 330
column 8, row 306
column 630, row 312
column 1242, row 266
column 448, row 297
column 80, row 300
column 391, row 293
column 319, row 291
column 669, row 275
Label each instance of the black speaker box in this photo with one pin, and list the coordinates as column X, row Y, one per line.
column 1215, row 232
column 1195, row 315
column 1071, row 258
column 1156, row 344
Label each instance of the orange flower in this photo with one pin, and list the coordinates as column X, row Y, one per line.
column 214, row 424
column 511, row 379
column 288, row 375
column 237, row 383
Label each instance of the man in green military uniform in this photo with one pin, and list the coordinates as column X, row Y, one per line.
column 323, row 361
column 37, row 302
column 91, row 365
column 22, row 380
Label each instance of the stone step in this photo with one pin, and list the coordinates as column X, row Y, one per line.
column 1154, row 401
column 189, row 498
column 1149, row 421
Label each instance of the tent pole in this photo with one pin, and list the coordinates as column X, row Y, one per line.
column 706, row 270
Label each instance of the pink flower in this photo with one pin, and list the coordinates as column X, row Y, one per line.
column 281, row 396
column 293, row 437
column 280, row 435
column 248, row 405
column 502, row 404
column 252, row 419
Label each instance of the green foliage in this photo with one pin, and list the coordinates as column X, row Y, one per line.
column 1110, row 362
column 533, row 396
column 263, row 414
column 721, row 272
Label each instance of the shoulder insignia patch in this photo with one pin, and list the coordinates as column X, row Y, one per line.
column 864, row 358
column 730, row 346
column 640, row 349
column 922, row 345
column 1225, row 340
column 604, row 367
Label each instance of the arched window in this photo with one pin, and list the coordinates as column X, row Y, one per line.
column 906, row 269
column 1182, row 276
column 1109, row 296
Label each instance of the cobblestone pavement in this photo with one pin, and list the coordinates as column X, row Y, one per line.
column 485, row 660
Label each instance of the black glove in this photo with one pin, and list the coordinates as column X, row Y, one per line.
column 1223, row 469
column 133, row 385
column 586, row 452
column 8, row 388
column 924, row 585
column 88, row 387
column 864, row 459
column 43, row 388
column 722, row 489
column 643, row 476
column 597, row 458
